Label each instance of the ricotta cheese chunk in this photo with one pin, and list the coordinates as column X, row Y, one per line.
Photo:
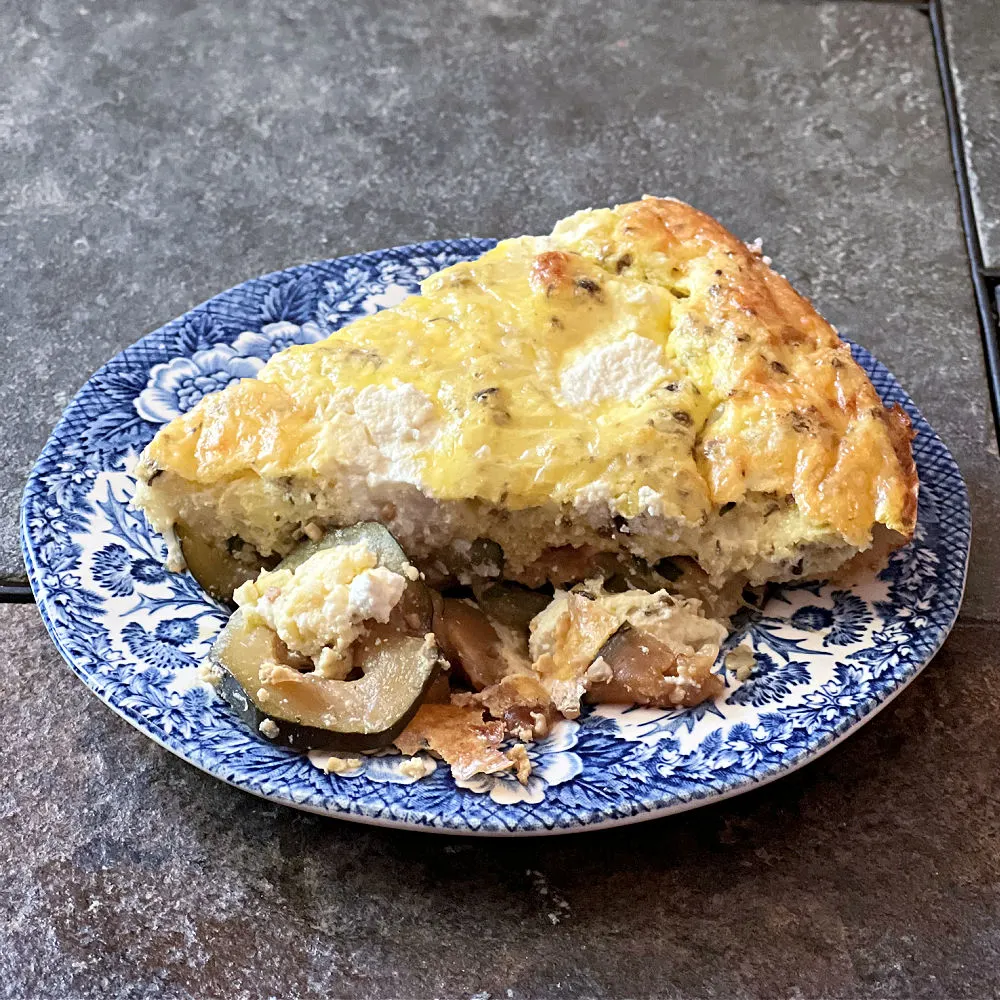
column 621, row 370
column 320, row 608
column 379, row 429
column 395, row 417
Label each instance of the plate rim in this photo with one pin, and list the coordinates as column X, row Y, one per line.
column 578, row 825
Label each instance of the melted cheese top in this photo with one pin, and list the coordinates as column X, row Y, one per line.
column 641, row 357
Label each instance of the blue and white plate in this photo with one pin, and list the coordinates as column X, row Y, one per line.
column 827, row 658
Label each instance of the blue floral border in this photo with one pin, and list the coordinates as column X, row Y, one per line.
column 826, row 659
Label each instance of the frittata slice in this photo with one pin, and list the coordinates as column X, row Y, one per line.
column 636, row 387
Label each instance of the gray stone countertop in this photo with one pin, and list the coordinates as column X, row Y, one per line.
column 973, row 29
column 872, row 872
column 156, row 154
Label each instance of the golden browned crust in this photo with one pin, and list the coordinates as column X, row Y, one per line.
column 901, row 433
column 459, row 736
column 794, row 412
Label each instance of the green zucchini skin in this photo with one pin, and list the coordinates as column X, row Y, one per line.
column 415, row 619
column 300, row 737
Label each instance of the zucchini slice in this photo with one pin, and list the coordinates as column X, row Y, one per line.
column 217, row 570
column 397, row 663
column 314, row 713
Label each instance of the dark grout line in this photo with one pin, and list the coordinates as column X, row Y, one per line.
column 16, row 593
column 921, row 6
column 981, row 281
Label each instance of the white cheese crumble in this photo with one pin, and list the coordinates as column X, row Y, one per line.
column 621, row 370
column 269, row 729
column 341, row 765
column 757, row 247
column 417, row 767
column 594, row 498
column 374, row 593
column 209, row 672
column 650, row 501
column 599, row 671
column 319, row 609
column 396, row 417
column 375, row 435
column 331, row 763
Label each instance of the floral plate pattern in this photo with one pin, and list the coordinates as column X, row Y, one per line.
column 826, row 658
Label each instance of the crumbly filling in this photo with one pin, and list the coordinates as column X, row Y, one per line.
column 319, row 609
column 764, row 537
column 653, row 648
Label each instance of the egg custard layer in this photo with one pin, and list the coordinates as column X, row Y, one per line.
column 639, row 384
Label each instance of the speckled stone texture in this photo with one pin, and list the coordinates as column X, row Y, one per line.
column 156, row 154
column 873, row 872
column 973, row 31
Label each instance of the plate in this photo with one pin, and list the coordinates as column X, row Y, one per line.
column 827, row 659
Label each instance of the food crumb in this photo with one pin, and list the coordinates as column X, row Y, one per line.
column 269, row 729
column 417, row 767
column 339, row 765
column 518, row 754
column 599, row 671
column 209, row 672
column 741, row 661
column 540, row 725
column 313, row 531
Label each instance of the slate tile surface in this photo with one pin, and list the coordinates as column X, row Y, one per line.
column 873, row 872
column 156, row 154
column 973, row 31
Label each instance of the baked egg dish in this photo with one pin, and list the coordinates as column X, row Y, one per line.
column 547, row 479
